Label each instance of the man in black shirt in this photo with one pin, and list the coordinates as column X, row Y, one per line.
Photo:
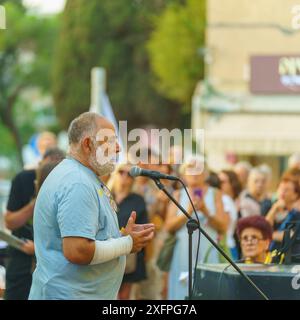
column 18, row 218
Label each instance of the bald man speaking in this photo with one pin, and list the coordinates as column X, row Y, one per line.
column 80, row 251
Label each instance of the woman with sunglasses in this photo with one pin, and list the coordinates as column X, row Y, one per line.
column 213, row 219
column 121, row 184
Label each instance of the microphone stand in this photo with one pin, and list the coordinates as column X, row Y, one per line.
column 193, row 225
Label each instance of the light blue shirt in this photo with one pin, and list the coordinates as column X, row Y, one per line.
column 72, row 203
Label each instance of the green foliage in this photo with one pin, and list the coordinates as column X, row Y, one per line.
column 7, row 143
column 25, row 62
column 113, row 35
column 31, row 37
column 15, row 2
column 174, row 49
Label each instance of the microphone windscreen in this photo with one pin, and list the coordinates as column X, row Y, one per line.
column 135, row 171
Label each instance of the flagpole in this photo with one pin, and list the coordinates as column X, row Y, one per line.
column 100, row 103
column 98, row 89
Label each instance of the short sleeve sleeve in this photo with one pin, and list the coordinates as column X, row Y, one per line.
column 78, row 212
column 15, row 196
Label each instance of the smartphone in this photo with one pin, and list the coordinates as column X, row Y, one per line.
column 198, row 193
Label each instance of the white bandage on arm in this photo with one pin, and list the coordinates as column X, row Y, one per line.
column 111, row 249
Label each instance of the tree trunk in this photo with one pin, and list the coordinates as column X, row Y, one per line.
column 8, row 121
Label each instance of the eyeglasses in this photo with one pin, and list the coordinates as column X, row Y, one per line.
column 252, row 240
column 124, row 172
column 110, row 196
column 223, row 181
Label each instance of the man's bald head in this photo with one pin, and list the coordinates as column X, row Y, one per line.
column 93, row 142
column 87, row 124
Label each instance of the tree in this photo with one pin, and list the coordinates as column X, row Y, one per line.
column 25, row 60
column 111, row 34
column 174, row 49
column 16, row 2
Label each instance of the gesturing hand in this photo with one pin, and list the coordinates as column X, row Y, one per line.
column 141, row 234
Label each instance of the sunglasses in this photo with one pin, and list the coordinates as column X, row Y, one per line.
column 124, row 172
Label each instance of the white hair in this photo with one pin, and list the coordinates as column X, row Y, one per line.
column 82, row 126
column 243, row 165
column 294, row 160
column 266, row 170
column 255, row 172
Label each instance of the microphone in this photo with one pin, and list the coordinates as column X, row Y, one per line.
column 137, row 171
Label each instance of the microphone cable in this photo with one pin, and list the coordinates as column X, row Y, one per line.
column 199, row 235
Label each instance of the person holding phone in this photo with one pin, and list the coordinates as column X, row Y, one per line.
column 209, row 206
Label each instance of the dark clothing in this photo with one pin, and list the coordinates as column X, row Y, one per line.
column 278, row 224
column 293, row 216
column 19, row 267
column 265, row 206
column 134, row 202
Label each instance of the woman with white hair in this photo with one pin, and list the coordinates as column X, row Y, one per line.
column 255, row 200
column 209, row 206
column 242, row 169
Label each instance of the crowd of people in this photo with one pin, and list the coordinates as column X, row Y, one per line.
column 235, row 207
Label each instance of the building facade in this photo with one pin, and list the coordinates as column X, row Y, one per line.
column 249, row 102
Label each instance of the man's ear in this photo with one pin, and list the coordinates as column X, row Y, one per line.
column 86, row 145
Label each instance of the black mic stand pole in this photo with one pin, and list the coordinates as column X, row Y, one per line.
column 193, row 225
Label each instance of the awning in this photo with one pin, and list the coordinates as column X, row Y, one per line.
column 247, row 124
column 248, row 133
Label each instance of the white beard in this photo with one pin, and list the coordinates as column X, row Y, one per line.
column 101, row 169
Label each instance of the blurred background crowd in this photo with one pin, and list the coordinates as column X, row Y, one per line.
column 236, row 207
column 228, row 67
